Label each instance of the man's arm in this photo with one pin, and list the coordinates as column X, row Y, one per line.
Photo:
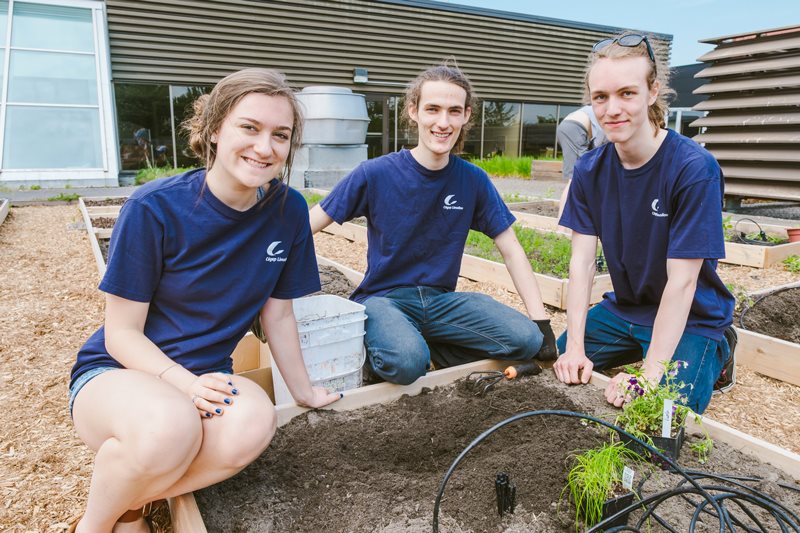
column 676, row 300
column 519, row 268
column 319, row 219
column 573, row 366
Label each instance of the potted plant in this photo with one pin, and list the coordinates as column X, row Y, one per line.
column 595, row 483
column 643, row 415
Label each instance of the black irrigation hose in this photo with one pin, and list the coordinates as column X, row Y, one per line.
column 741, row 495
column 762, row 297
column 570, row 414
column 741, row 236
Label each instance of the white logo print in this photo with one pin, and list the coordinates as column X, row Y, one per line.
column 271, row 253
column 654, row 211
column 450, row 203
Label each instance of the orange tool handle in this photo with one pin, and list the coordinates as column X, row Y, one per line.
column 531, row 368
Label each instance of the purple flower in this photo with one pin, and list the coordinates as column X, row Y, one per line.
column 633, row 380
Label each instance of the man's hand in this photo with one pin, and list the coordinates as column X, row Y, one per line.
column 548, row 351
column 573, row 368
column 616, row 393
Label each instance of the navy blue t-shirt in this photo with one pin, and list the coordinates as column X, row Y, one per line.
column 205, row 268
column 418, row 219
column 670, row 208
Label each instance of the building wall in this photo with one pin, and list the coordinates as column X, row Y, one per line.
column 527, row 70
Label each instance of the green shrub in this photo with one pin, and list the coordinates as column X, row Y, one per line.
column 151, row 173
column 312, row 198
column 519, row 167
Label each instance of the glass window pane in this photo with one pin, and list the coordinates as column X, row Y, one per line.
column 182, row 101
column 3, row 22
column 501, row 129
column 539, row 129
column 406, row 132
column 563, row 111
column 52, row 78
column 52, row 137
column 472, row 142
column 49, row 27
column 143, row 121
column 375, row 108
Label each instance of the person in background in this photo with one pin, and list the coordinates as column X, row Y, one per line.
column 654, row 199
column 420, row 205
column 578, row 133
column 193, row 258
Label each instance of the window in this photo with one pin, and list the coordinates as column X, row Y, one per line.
column 53, row 95
column 539, row 129
column 501, row 125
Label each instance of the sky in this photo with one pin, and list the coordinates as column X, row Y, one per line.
column 687, row 21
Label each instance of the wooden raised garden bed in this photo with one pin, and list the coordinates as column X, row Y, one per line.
column 759, row 348
column 542, row 169
column 352, row 456
column 4, row 204
column 554, row 290
column 754, row 255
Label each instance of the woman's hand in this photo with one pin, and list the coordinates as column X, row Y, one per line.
column 211, row 393
column 320, row 398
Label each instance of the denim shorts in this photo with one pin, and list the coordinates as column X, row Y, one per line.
column 85, row 378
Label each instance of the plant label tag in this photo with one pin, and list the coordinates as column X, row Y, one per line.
column 627, row 478
column 666, row 419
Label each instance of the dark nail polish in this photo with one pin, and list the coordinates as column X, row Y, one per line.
column 218, row 411
column 235, row 391
column 227, row 401
column 230, row 383
column 208, row 415
column 341, row 395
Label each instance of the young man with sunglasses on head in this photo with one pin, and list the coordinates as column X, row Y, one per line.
column 654, row 199
column 420, row 205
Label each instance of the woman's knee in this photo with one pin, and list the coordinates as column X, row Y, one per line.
column 168, row 437
column 248, row 427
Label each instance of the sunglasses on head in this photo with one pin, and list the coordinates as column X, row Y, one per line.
column 631, row 40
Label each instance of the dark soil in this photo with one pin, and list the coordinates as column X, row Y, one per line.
column 776, row 315
column 98, row 203
column 379, row 468
column 104, row 243
column 368, row 469
column 104, row 222
column 334, row 282
column 546, row 209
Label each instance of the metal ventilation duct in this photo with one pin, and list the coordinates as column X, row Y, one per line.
column 753, row 121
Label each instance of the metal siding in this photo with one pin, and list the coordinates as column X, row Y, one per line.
column 320, row 42
column 753, row 124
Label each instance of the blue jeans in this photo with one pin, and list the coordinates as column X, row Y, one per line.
column 612, row 342
column 410, row 327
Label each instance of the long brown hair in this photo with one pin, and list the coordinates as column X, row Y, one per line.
column 658, row 71
column 210, row 111
column 446, row 71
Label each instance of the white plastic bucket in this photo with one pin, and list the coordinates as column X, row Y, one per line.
column 331, row 332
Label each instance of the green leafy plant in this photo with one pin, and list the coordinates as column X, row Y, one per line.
column 151, row 173
column 792, row 263
column 743, row 299
column 36, row 187
column 312, row 198
column 548, row 253
column 595, row 476
column 702, row 449
column 642, row 415
column 512, row 197
column 61, row 197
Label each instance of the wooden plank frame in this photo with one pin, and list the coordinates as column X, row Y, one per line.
column 186, row 517
column 554, row 290
column 4, row 206
column 93, row 242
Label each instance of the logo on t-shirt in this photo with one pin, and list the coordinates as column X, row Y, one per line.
column 450, row 203
column 655, row 212
column 272, row 253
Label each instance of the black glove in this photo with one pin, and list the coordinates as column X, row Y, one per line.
column 548, row 351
